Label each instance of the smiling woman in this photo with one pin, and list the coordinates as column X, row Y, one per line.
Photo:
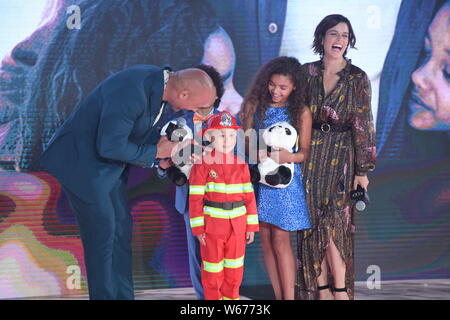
column 342, row 153
column 329, row 32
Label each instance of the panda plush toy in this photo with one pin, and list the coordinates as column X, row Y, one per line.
column 178, row 131
column 269, row 172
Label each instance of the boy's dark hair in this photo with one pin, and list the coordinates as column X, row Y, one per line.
column 217, row 80
column 327, row 23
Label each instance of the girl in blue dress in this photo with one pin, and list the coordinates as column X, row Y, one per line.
column 277, row 95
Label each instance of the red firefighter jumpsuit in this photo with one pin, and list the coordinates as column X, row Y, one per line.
column 223, row 255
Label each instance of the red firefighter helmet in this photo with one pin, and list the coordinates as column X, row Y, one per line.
column 223, row 120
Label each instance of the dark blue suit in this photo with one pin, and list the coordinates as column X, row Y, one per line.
column 89, row 155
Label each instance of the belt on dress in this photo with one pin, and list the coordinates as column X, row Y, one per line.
column 326, row 127
column 224, row 205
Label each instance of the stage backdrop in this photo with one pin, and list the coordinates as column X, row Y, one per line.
column 55, row 51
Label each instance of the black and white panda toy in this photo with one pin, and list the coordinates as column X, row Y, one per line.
column 178, row 131
column 269, row 172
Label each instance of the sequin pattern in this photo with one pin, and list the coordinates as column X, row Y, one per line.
column 285, row 208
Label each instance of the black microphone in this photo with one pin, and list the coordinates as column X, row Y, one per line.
column 361, row 198
column 175, row 131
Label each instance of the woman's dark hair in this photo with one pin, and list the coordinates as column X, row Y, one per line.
column 258, row 98
column 326, row 24
column 216, row 79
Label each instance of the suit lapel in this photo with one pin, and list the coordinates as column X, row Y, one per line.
column 155, row 95
column 156, row 92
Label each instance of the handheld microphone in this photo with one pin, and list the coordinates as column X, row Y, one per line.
column 361, row 198
column 175, row 131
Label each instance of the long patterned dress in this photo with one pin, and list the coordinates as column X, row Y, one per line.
column 328, row 174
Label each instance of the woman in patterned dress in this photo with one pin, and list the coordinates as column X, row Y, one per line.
column 342, row 152
column 277, row 95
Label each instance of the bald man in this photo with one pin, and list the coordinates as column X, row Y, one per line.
column 114, row 127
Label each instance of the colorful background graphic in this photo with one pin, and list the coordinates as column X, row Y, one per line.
column 55, row 51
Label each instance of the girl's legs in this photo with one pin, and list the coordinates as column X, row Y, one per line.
column 281, row 243
column 265, row 234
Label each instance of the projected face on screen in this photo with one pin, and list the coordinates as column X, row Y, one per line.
column 430, row 99
column 219, row 52
column 17, row 66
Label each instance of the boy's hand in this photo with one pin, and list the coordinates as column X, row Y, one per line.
column 201, row 238
column 250, row 236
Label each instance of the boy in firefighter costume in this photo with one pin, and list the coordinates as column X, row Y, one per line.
column 223, row 212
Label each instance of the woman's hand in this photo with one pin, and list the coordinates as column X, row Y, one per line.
column 363, row 181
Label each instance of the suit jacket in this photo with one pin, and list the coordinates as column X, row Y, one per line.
column 112, row 127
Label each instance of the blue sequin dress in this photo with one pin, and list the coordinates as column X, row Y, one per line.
column 287, row 207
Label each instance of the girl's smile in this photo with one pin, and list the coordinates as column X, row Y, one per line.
column 280, row 88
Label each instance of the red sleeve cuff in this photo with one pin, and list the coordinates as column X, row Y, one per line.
column 196, row 231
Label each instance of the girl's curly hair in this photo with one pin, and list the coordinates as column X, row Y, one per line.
column 258, row 98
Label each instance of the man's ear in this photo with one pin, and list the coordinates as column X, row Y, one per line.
column 183, row 94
